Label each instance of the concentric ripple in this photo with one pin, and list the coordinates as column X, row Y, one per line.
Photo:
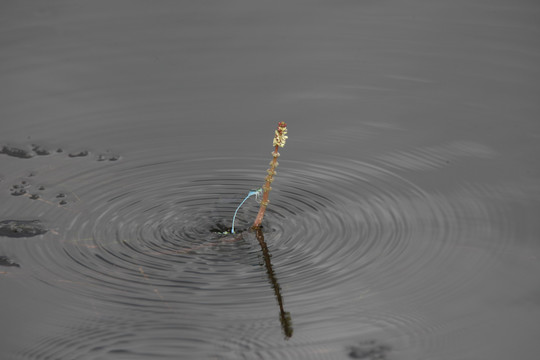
column 348, row 239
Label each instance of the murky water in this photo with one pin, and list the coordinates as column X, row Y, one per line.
column 403, row 218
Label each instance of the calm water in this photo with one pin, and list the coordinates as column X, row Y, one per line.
column 403, row 223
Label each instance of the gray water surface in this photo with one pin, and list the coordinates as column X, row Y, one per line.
column 403, row 221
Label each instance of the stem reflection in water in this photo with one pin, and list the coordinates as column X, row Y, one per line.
column 284, row 316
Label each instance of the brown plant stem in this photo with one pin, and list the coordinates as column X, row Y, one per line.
column 279, row 140
column 266, row 189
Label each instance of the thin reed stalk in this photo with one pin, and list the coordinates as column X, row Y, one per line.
column 279, row 141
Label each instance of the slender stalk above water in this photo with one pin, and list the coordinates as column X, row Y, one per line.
column 279, row 141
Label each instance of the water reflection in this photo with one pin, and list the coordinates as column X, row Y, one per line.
column 284, row 316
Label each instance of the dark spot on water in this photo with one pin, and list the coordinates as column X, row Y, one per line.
column 21, row 228
column 109, row 157
column 369, row 350
column 18, row 192
column 39, row 150
column 221, row 229
column 5, row 261
column 19, row 189
column 16, row 152
column 24, row 187
column 78, row 154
